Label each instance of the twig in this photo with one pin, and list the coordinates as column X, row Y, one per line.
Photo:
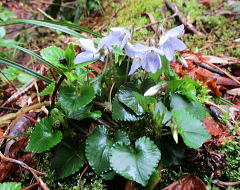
column 226, row 73
column 8, row 108
column 189, row 26
column 33, row 171
column 30, row 118
column 155, row 22
column 209, row 68
column 56, row 89
column 101, row 121
column 20, row 91
column 85, row 169
column 226, row 184
column 22, row 111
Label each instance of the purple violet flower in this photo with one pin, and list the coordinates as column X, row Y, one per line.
column 90, row 53
column 118, row 36
column 169, row 42
column 143, row 56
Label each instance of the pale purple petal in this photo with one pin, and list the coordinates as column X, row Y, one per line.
column 137, row 63
column 85, row 56
column 174, row 32
column 168, row 51
column 177, row 44
column 141, row 47
column 129, row 50
column 153, row 62
column 87, row 45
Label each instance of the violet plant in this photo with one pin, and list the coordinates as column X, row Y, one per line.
column 130, row 101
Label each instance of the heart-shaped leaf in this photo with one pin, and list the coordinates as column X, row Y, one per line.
column 72, row 100
column 120, row 112
column 43, row 137
column 191, row 129
column 68, row 159
column 194, row 108
column 126, row 96
column 53, row 54
column 135, row 164
column 98, row 145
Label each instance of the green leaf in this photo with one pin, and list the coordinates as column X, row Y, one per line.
column 126, row 96
column 194, row 108
column 24, row 78
column 43, row 137
column 53, row 54
column 24, row 69
column 48, row 90
column 97, row 149
column 84, row 112
column 135, row 164
column 184, row 86
column 68, row 159
column 161, row 113
column 10, row 186
column 154, row 180
column 69, row 55
column 75, row 27
column 191, row 129
column 2, row 32
column 120, row 112
column 71, row 100
column 140, row 99
column 44, row 24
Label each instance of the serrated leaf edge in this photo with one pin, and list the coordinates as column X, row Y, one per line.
column 131, row 148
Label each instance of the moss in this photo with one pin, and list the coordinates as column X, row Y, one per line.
column 219, row 28
column 232, row 171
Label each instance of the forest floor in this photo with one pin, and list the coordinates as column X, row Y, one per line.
column 213, row 40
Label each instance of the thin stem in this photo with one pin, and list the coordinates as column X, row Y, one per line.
column 56, row 89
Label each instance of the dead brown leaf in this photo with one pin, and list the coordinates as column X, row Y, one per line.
column 190, row 182
column 213, row 128
column 234, row 92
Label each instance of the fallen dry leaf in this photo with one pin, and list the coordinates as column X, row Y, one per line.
column 190, row 182
column 234, row 92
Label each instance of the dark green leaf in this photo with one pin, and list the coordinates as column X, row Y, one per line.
column 71, row 100
column 84, row 112
column 97, row 148
column 172, row 153
column 126, row 96
column 120, row 112
column 43, row 137
column 137, row 165
column 68, row 159
column 191, row 129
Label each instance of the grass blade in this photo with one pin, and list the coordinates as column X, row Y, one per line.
column 34, row 55
column 44, row 24
column 75, row 27
column 25, row 70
